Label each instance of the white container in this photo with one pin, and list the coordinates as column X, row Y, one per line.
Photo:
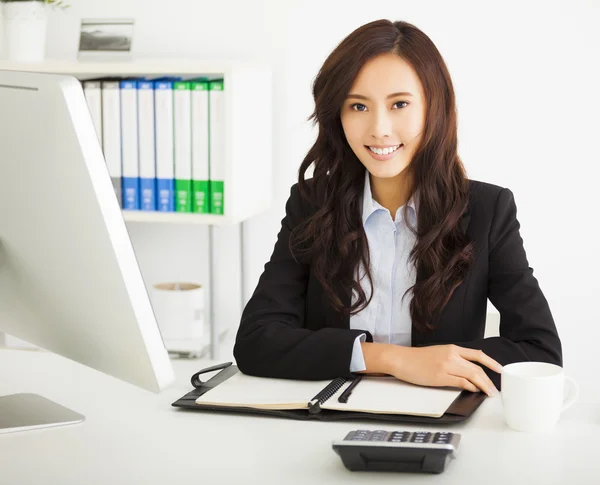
column 533, row 395
column 25, row 26
column 179, row 311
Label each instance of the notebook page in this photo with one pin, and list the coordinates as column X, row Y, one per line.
column 388, row 395
column 242, row 390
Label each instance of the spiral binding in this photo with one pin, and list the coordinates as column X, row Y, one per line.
column 334, row 386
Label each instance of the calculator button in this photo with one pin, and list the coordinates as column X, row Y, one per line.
column 420, row 437
column 442, row 438
column 399, row 436
column 378, row 435
column 359, row 435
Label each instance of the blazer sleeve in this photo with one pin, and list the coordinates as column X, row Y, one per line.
column 527, row 329
column 272, row 340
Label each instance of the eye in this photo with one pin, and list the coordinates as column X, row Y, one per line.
column 358, row 107
column 401, row 102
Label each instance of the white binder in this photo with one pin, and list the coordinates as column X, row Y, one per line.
column 92, row 89
column 129, row 148
column 146, row 140
column 165, row 175
column 111, row 132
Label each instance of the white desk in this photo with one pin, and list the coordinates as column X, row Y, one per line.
column 135, row 437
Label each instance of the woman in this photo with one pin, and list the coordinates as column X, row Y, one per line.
column 387, row 256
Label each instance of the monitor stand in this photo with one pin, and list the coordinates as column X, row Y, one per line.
column 20, row 412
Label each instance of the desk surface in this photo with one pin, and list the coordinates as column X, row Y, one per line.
column 132, row 436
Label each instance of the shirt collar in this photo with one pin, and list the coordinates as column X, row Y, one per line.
column 370, row 205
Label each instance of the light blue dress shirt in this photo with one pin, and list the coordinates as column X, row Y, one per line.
column 387, row 317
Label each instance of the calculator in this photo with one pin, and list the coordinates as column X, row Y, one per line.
column 399, row 451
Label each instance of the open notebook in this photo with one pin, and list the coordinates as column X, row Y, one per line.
column 371, row 398
column 385, row 395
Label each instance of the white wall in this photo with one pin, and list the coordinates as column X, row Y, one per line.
column 527, row 82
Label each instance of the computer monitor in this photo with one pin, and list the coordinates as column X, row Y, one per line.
column 69, row 279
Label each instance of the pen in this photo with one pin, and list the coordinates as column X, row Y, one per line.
column 346, row 394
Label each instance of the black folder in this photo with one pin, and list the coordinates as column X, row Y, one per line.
column 460, row 410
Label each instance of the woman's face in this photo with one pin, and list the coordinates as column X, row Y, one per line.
column 383, row 116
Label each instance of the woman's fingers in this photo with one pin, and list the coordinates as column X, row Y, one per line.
column 462, row 383
column 481, row 357
column 445, row 365
column 477, row 376
column 473, row 373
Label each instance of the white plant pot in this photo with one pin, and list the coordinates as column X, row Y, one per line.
column 25, row 30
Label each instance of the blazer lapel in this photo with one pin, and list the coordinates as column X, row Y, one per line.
column 464, row 220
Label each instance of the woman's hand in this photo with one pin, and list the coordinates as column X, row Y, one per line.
column 436, row 365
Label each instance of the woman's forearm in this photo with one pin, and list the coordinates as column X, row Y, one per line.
column 378, row 357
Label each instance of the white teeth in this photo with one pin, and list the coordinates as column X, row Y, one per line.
column 384, row 151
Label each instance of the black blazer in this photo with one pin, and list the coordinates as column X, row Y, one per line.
column 288, row 330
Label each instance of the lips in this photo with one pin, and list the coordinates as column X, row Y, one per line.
column 384, row 150
column 384, row 153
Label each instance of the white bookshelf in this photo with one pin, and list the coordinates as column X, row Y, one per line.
column 248, row 155
column 248, row 126
column 184, row 218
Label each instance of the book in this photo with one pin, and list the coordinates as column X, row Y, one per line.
column 200, row 169
column 92, row 88
column 165, row 163
column 146, row 145
column 217, row 146
column 182, row 115
column 129, row 145
column 386, row 395
column 111, row 133
column 361, row 397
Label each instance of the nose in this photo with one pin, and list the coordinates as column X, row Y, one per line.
column 382, row 125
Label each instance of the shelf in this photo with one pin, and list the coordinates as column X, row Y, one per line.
column 247, row 173
column 187, row 218
column 248, row 128
column 148, row 67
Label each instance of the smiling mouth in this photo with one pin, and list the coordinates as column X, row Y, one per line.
column 385, row 151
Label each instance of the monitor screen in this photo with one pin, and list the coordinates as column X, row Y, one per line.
column 69, row 279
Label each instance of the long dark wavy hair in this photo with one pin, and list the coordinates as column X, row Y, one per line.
column 333, row 239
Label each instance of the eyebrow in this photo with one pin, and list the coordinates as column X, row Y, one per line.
column 393, row 95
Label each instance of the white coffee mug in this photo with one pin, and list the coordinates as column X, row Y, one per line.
column 533, row 395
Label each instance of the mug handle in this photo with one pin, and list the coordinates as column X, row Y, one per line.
column 573, row 393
